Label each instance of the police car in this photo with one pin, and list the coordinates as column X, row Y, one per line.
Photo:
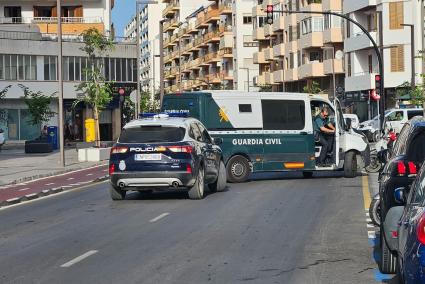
column 161, row 151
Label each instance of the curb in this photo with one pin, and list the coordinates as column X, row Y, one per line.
column 44, row 193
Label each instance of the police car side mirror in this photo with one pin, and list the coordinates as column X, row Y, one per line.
column 218, row 141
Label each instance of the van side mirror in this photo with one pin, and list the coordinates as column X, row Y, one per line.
column 348, row 123
column 218, row 141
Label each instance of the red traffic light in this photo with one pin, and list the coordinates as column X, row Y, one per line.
column 269, row 9
column 377, row 77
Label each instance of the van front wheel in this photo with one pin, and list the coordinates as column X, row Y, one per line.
column 350, row 165
column 238, row 169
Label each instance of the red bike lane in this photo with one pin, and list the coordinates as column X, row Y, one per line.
column 15, row 193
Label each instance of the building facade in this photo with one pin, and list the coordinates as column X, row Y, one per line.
column 208, row 45
column 384, row 20
column 149, row 19
column 297, row 51
column 28, row 57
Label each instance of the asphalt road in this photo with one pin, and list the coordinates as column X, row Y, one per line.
column 283, row 230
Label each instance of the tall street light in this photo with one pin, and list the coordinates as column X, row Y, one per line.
column 412, row 52
column 60, row 82
column 138, row 3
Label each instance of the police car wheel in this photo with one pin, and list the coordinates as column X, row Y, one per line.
column 117, row 193
column 220, row 183
column 197, row 190
column 238, row 169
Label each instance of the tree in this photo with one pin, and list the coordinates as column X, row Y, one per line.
column 97, row 92
column 38, row 105
column 265, row 88
column 313, row 88
column 416, row 94
column 3, row 112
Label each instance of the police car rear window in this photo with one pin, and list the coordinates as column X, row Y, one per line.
column 152, row 134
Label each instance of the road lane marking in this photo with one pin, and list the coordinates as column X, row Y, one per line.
column 69, row 178
column 366, row 192
column 89, row 174
column 79, row 258
column 159, row 217
column 23, row 189
column 50, row 183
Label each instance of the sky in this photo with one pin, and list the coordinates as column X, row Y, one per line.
column 122, row 13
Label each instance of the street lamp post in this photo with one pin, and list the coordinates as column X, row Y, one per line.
column 247, row 72
column 60, row 82
column 412, row 52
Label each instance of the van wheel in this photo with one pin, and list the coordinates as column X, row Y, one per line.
column 117, row 193
column 350, row 165
column 238, row 169
column 307, row 174
column 388, row 259
column 220, row 183
column 197, row 190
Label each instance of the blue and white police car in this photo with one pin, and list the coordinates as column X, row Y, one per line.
column 164, row 151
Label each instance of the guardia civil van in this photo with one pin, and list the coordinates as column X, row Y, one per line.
column 270, row 131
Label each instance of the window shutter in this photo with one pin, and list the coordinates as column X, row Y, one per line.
column 393, row 59
column 393, row 15
column 35, row 9
column 54, row 11
column 400, row 57
column 400, row 15
column 78, row 11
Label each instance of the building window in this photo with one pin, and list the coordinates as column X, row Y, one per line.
column 397, row 59
column 245, row 108
column 283, row 114
column 247, row 20
column 396, row 15
column 291, row 60
column 13, row 12
column 371, row 22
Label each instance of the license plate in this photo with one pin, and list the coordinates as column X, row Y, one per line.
column 147, row 157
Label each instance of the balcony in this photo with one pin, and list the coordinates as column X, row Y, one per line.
column 70, row 25
column 364, row 81
column 225, row 8
column 224, row 29
column 337, row 66
column 226, row 52
column 351, row 6
column 279, row 50
column 226, row 75
column 291, row 75
column 212, row 36
column 312, row 69
column 212, row 57
column 213, row 78
column 171, row 8
column 358, row 42
column 313, row 7
column 257, row 11
column 259, row 58
column 314, row 39
column 171, row 25
column 269, row 80
column 258, row 34
column 334, row 35
column 268, row 31
column 278, row 76
column 261, row 80
column 268, row 54
column 279, row 24
column 204, row 18
column 226, row 41
column 333, row 5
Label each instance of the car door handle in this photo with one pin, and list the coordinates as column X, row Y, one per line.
column 303, row 133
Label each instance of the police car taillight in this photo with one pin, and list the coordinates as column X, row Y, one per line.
column 111, row 169
column 180, row 149
column 119, row 150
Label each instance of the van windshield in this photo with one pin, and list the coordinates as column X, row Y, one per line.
column 152, row 134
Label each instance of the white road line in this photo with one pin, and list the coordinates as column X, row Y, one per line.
column 159, row 217
column 69, row 178
column 85, row 182
column 89, row 174
column 74, row 184
column 50, row 183
column 79, row 258
column 23, row 189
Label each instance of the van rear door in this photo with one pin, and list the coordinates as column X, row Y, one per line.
column 287, row 135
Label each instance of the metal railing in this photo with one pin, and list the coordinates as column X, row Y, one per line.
column 50, row 20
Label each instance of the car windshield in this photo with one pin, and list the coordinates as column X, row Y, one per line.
column 152, row 134
column 386, row 113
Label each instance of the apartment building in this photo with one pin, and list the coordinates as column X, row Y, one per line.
column 149, row 19
column 383, row 20
column 28, row 56
column 203, row 49
column 298, row 50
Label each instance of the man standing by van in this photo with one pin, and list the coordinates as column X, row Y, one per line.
column 321, row 134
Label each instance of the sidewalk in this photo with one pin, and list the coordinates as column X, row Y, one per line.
column 16, row 166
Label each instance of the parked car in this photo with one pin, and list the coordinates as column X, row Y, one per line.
column 400, row 171
column 394, row 118
column 162, row 152
column 405, row 231
column 354, row 119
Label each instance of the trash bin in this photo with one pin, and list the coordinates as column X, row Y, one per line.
column 52, row 136
column 90, row 130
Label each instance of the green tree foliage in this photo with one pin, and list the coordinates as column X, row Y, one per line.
column 265, row 88
column 313, row 88
column 417, row 94
column 38, row 105
column 3, row 112
column 97, row 91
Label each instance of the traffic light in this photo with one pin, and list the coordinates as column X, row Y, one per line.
column 378, row 82
column 269, row 11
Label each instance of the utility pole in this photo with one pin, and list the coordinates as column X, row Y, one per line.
column 136, row 115
column 412, row 53
column 60, row 82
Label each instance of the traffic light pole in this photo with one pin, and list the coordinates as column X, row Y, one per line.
column 375, row 46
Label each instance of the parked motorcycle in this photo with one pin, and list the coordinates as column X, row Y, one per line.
column 2, row 138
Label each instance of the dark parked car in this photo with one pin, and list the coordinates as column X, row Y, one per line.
column 400, row 171
column 405, row 232
column 162, row 152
